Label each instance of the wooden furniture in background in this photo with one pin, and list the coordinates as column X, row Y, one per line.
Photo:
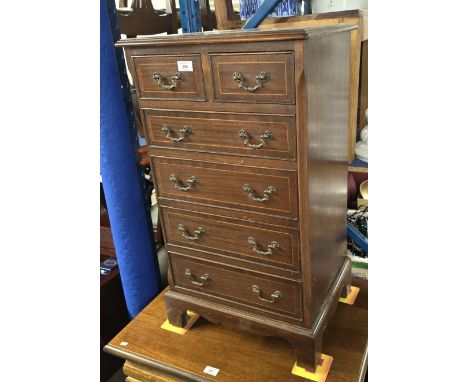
column 106, row 242
column 248, row 147
column 113, row 311
column 208, row 17
column 227, row 19
column 143, row 19
column 113, row 318
column 154, row 354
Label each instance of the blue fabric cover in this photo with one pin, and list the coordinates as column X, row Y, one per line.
column 122, row 186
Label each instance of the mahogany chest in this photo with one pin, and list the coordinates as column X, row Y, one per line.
column 247, row 134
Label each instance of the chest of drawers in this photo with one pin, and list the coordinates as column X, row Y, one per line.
column 247, row 135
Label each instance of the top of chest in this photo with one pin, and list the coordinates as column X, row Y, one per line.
column 223, row 67
column 235, row 36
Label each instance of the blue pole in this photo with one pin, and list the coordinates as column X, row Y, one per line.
column 120, row 172
column 190, row 18
column 262, row 12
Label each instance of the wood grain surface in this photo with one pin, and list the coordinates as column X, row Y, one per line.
column 154, row 354
column 223, row 185
column 279, row 88
column 230, row 239
column 139, row 373
column 328, row 79
column 219, row 132
column 234, row 285
column 191, row 87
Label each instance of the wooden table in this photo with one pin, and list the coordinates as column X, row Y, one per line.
column 153, row 354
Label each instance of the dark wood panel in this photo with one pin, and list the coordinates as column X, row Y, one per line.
column 237, row 285
column 107, row 242
column 278, row 87
column 327, row 130
column 113, row 318
column 220, row 132
column 310, row 308
column 220, row 236
column 191, row 87
column 223, row 185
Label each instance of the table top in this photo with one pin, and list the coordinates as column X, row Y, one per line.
column 241, row 356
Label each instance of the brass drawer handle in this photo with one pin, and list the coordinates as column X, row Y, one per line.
column 266, row 194
column 192, row 181
column 274, row 296
column 273, row 245
column 183, row 231
column 176, row 77
column 262, row 77
column 263, row 138
column 184, row 132
column 204, row 278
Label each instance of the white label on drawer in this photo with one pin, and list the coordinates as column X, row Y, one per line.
column 185, row 66
column 211, row 370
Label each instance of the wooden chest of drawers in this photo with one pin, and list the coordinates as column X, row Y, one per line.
column 247, row 137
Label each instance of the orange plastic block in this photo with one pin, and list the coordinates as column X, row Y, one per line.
column 351, row 296
column 192, row 317
column 321, row 371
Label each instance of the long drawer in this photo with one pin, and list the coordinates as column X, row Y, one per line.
column 269, row 136
column 267, row 292
column 277, row 247
column 262, row 190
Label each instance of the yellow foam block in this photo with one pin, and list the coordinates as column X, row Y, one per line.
column 351, row 296
column 192, row 317
column 321, row 371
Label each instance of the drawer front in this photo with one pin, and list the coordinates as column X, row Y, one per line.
column 157, row 77
column 278, row 247
column 266, row 77
column 258, row 290
column 252, row 189
column 266, row 136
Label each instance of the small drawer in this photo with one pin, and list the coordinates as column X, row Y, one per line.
column 260, row 190
column 161, row 77
column 258, row 290
column 277, row 247
column 267, row 136
column 266, row 77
